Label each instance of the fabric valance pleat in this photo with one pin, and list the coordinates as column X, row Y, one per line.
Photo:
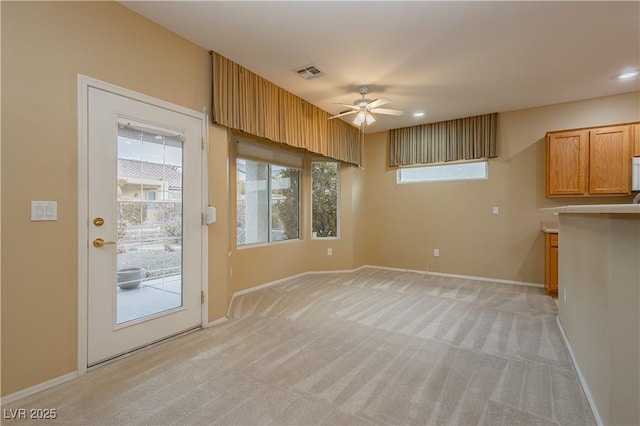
column 462, row 139
column 247, row 102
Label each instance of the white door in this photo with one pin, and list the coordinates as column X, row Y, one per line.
column 144, row 224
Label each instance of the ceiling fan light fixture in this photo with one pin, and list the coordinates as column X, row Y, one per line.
column 369, row 118
column 363, row 117
column 365, row 110
column 360, row 118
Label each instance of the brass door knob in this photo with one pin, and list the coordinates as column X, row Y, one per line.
column 99, row 242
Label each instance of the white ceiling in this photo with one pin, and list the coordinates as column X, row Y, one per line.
column 447, row 59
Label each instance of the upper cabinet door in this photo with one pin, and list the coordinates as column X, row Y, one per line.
column 609, row 158
column 636, row 140
column 567, row 162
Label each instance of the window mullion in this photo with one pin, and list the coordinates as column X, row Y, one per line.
column 270, row 204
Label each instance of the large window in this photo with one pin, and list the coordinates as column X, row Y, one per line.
column 268, row 202
column 443, row 172
column 324, row 199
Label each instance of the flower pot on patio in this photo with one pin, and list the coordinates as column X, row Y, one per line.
column 129, row 278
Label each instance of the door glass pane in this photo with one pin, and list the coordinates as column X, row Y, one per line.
column 149, row 231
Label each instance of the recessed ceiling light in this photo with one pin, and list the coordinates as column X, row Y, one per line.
column 628, row 75
column 418, row 114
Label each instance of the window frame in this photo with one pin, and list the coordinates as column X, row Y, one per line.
column 269, row 202
column 483, row 161
column 338, row 201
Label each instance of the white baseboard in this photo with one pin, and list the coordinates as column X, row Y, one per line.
column 37, row 388
column 280, row 280
column 583, row 382
column 216, row 322
column 466, row 277
column 267, row 284
column 290, row 277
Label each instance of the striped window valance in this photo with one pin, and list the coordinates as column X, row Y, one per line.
column 247, row 102
column 462, row 139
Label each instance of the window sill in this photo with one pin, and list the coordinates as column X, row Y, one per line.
column 273, row 243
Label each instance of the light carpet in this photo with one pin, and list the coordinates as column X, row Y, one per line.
column 368, row 347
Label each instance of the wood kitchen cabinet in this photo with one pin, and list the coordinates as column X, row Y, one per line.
column 591, row 161
column 567, row 161
column 610, row 160
column 551, row 264
column 636, row 140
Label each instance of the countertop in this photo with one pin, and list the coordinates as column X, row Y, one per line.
column 549, row 227
column 595, row 208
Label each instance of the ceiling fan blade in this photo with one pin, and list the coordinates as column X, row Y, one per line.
column 342, row 114
column 386, row 111
column 349, row 106
column 378, row 103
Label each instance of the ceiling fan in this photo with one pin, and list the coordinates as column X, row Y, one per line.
column 365, row 108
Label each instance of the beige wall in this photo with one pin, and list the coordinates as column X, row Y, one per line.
column 44, row 47
column 404, row 223
column 600, row 273
column 219, row 279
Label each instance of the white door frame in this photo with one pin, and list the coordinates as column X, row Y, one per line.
column 84, row 83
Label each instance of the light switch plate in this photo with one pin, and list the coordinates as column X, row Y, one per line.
column 44, row 210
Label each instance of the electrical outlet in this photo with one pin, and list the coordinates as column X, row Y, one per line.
column 329, row 252
column 496, row 210
column 436, row 252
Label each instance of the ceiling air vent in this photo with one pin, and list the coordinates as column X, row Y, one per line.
column 309, row 72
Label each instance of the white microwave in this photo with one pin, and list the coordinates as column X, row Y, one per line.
column 635, row 174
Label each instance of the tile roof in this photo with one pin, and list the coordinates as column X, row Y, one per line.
column 143, row 169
